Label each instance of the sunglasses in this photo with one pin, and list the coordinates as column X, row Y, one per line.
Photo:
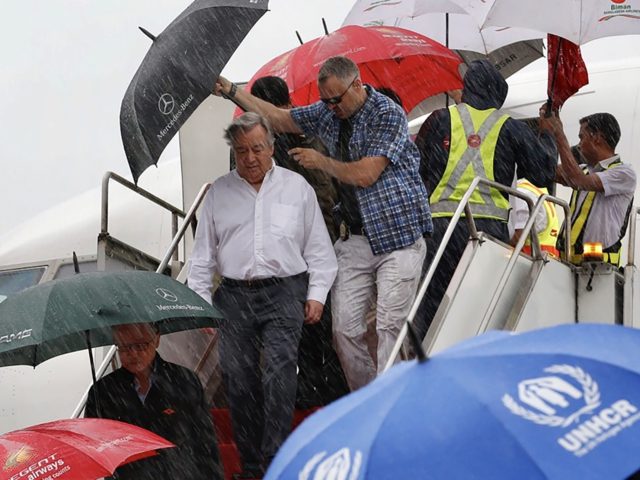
column 336, row 100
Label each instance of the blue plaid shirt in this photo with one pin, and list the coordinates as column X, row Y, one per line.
column 395, row 209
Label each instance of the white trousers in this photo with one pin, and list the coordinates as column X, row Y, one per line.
column 394, row 277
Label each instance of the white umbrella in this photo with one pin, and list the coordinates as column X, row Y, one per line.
column 576, row 20
column 510, row 49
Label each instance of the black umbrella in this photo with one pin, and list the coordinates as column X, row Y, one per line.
column 179, row 72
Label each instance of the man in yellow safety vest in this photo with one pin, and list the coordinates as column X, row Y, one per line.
column 546, row 224
column 470, row 139
column 602, row 189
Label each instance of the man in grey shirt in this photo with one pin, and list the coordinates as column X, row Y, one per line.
column 602, row 190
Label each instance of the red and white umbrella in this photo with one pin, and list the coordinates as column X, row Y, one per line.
column 74, row 449
column 414, row 66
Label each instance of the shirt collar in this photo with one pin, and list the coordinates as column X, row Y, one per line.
column 267, row 175
column 604, row 164
column 368, row 104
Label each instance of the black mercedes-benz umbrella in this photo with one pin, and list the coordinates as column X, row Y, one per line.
column 179, row 72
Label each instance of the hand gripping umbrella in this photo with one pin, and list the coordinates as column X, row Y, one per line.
column 74, row 449
column 414, row 66
column 179, row 72
column 556, row 403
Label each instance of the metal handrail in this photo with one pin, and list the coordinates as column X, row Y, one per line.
column 631, row 256
column 178, row 235
column 629, row 272
column 506, row 274
column 464, row 205
column 104, row 218
column 187, row 221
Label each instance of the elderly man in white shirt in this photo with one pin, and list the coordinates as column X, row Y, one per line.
column 262, row 231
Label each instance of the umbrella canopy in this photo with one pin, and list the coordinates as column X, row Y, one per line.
column 74, row 449
column 179, row 72
column 509, row 49
column 579, row 21
column 556, row 403
column 414, row 66
column 53, row 318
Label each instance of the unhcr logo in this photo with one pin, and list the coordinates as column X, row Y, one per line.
column 550, row 394
column 339, row 466
column 575, row 393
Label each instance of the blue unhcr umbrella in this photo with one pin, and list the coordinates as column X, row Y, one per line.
column 556, row 403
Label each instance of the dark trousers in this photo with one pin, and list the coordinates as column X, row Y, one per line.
column 258, row 353
column 320, row 376
column 448, row 263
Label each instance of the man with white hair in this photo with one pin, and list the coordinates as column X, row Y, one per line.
column 262, row 231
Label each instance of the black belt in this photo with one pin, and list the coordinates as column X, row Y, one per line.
column 259, row 282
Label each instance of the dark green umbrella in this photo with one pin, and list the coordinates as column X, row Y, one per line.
column 74, row 313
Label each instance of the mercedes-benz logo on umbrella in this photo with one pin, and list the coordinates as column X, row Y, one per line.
column 166, row 104
column 166, row 294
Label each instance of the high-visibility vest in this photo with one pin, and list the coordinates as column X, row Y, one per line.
column 549, row 236
column 474, row 135
column 610, row 254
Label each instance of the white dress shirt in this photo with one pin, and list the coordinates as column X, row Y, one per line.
column 520, row 213
column 277, row 231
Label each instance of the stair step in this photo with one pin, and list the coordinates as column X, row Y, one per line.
column 226, row 445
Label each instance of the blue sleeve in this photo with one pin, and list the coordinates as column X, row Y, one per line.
column 308, row 118
column 387, row 135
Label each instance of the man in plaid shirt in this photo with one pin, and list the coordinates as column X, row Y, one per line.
column 383, row 210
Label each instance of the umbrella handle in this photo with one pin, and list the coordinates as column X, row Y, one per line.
column 548, row 111
column 93, row 373
column 415, row 342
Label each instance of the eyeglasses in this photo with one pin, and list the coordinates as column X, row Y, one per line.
column 133, row 347
column 336, row 100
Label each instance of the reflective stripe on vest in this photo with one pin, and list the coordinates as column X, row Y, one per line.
column 549, row 236
column 474, row 134
column 580, row 221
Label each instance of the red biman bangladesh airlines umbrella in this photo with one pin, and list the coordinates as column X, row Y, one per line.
column 74, row 449
column 414, row 66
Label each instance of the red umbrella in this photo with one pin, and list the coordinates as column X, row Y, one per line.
column 414, row 66
column 74, row 449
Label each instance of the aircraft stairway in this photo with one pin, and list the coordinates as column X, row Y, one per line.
column 495, row 286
